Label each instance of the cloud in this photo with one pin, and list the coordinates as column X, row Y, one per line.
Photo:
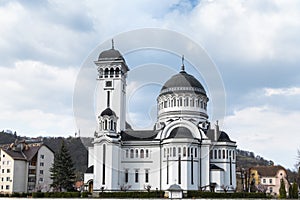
column 269, row 131
column 37, row 98
column 282, row 91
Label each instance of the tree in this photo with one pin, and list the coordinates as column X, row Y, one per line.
column 62, row 170
column 282, row 191
column 294, row 194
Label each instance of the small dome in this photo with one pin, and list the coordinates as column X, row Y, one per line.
column 110, row 54
column 175, row 187
column 183, row 82
column 224, row 137
column 108, row 112
column 181, row 132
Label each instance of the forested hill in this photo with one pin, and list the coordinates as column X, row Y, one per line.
column 78, row 150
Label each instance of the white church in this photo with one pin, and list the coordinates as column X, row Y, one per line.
column 182, row 148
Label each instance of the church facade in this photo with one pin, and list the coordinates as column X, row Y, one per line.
column 181, row 149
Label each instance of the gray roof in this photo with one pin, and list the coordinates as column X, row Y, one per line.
column 183, row 82
column 221, row 136
column 181, row 132
column 215, row 167
column 175, row 187
column 108, row 112
column 138, row 135
column 26, row 154
column 110, row 54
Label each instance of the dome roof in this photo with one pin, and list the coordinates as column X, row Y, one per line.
column 183, row 82
column 224, row 137
column 110, row 54
column 107, row 112
column 181, row 132
column 175, row 187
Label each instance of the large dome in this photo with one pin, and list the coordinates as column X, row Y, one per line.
column 110, row 54
column 183, row 82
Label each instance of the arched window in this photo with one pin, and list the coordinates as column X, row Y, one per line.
column 165, row 153
column 174, row 151
column 103, row 164
column 224, row 156
column 192, row 151
column 111, row 73
column 169, row 102
column 136, row 153
column 188, row 151
column 211, row 154
column 131, row 153
column 147, row 153
column 165, row 104
column 219, row 152
column 170, row 152
column 192, row 103
column 117, row 72
column 196, row 152
column 216, row 154
column 111, row 125
column 227, row 154
column 184, row 151
column 142, row 153
column 115, row 126
column 233, row 155
column 106, row 73
column 180, row 101
column 127, row 152
column 186, row 102
column 101, row 73
column 105, row 124
column 179, row 151
column 174, row 101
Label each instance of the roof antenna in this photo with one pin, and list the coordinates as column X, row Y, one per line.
column 112, row 44
column 182, row 66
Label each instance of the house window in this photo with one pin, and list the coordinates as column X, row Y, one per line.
column 41, row 164
column 270, row 180
column 3, row 155
column 41, row 180
column 136, row 176
column 8, row 170
column 1, row 187
column 7, row 178
column 271, row 189
column 2, row 179
column 131, row 153
column 2, row 170
column 41, row 171
column 146, row 176
column 42, row 156
column 126, row 175
column 264, row 180
column 108, row 84
column 7, row 162
column 7, row 187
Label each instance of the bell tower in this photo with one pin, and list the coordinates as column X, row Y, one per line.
column 111, row 92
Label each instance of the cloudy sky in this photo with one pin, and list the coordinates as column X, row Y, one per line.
column 254, row 44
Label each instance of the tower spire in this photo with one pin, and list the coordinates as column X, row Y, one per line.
column 182, row 66
column 112, row 44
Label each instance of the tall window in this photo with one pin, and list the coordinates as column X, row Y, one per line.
column 131, row 153
column 142, row 153
column 146, row 176
column 174, row 151
column 216, row 154
column 136, row 176
column 188, row 151
column 127, row 153
column 164, row 153
column 179, row 170
column 224, row 156
column 136, row 153
column 126, row 175
column 196, row 152
column 184, row 151
column 103, row 165
column 219, row 152
column 179, row 151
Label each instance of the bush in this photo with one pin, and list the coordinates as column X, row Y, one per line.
column 85, row 194
column 132, row 194
column 200, row 194
column 38, row 195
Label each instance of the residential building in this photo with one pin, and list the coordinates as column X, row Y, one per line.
column 181, row 149
column 25, row 167
column 267, row 178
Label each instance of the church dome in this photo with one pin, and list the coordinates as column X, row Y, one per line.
column 110, row 54
column 181, row 132
column 107, row 112
column 183, row 82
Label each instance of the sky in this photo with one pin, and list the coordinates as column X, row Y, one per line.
column 254, row 44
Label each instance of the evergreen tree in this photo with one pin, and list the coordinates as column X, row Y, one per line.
column 295, row 191
column 282, row 191
column 62, row 170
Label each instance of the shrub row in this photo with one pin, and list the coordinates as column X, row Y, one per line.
column 132, row 194
column 15, row 194
column 56, row 194
column 199, row 194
